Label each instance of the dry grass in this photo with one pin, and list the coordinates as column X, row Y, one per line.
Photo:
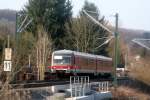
column 126, row 93
column 141, row 70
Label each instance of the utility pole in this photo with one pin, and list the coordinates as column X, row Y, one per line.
column 16, row 28
column 16, row 39
column 116, row 34
column 8, row 43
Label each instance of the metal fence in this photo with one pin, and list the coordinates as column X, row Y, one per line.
column 79, row 85
column 100, row 86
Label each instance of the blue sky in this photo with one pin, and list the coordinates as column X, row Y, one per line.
column 133, row 14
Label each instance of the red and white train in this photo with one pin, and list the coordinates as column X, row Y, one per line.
column 67, row 61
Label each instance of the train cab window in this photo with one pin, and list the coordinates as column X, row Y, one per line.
column 62, row 60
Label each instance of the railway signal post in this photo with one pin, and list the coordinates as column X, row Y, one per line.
column 116, row 34
column 7, row 64
column 7, row 61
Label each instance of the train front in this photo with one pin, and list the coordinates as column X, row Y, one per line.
column 62, row 61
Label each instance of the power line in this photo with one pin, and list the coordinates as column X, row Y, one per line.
column 107, row 41
column 22, row 23
column 141, row 44
column 98, row 23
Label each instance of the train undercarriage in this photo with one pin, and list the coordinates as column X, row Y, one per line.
column 62, row 74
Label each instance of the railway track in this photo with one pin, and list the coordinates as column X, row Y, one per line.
column 35, row 84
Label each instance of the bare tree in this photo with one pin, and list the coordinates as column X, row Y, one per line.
column 43, row 46
column 27, row 46
column 83, row 36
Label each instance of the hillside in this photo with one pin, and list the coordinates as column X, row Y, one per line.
column 7, row 21
column 128, row 34
column 8, row 14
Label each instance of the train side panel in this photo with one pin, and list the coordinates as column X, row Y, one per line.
column 99, row 66
column 85, row 65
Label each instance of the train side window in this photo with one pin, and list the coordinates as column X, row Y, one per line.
column 87, row 62
column 91, row 62
column 104, row 64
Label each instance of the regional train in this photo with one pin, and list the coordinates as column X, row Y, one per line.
column 79, row 63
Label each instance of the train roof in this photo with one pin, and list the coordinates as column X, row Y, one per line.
column 82, row 54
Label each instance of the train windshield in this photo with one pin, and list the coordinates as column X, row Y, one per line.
column 62, row 59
